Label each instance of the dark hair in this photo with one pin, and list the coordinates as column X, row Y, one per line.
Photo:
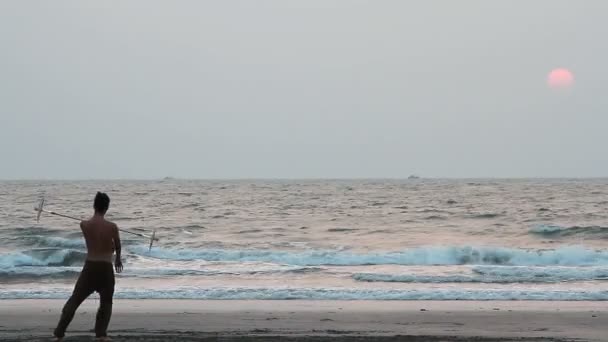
column 102, row 202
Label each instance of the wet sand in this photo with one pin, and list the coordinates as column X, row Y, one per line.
column 199, row 320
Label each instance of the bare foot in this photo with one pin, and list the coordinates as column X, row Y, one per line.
column 58, row 339
column 103, row 339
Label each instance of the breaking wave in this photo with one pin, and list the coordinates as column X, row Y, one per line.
column 559, row 231
column 37, row 272
column 566, row 256
column 497, row 274
column 52, row 241
column 43, row 257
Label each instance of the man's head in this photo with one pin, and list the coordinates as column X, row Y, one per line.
column 102, row 203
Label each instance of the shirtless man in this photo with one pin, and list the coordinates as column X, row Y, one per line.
column 102, row 239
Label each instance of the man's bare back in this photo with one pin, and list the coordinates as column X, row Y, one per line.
column 101, row 237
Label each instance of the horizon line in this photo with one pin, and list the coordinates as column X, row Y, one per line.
column 299, row 178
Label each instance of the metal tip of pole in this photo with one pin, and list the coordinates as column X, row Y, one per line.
column 152, row 239
column 39, row 209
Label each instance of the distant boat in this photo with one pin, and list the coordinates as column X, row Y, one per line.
column 168, row 178
column 413, row 177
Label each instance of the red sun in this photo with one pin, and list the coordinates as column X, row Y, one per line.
column 560, row 78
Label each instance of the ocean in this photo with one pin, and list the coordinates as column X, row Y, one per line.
column 418, row 239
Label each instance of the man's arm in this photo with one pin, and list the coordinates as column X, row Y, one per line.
column 118, row 247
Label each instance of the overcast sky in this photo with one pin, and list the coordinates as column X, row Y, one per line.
column 290, row 89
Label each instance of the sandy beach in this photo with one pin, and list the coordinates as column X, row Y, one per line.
column 191, row 320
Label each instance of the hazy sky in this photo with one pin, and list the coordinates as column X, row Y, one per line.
column 289, row 89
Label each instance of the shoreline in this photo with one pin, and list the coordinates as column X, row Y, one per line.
column 274, row 320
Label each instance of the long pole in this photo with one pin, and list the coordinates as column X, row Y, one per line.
column 40, row 209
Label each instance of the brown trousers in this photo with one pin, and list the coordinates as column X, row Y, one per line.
column 95, row 276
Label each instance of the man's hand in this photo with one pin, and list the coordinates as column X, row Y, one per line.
column 118, row 265
column 118, row 248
